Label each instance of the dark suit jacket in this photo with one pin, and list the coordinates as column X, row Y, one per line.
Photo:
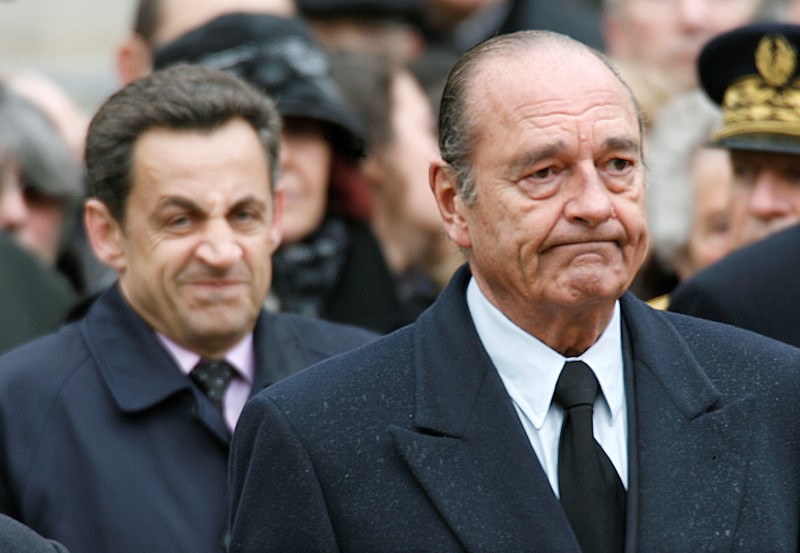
column 411, row 444
column 18, row 538
column 755, row 288
column 107, row 447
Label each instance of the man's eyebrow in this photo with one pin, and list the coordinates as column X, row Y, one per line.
column 249, row 200
column 177, row 201
column 629, row 144
column 532, row 157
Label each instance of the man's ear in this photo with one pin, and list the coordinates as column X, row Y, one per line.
column 105, row 234
column 444, row 183
column 134, row 59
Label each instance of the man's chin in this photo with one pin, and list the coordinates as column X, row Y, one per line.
column 219, row 321
column 591, row 289
column 218, row 337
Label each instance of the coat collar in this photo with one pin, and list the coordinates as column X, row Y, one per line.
column 127, row 353
column 138, row 370
column 664, row 353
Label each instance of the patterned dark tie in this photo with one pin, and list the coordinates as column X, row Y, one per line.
column 213, row 377
column 592, row 493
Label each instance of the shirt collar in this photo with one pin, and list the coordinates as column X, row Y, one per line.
column 240, row 356
column 530, row 369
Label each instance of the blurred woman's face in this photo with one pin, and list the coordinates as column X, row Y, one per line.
column 411, row 152
column 305, row 172
column 709, row 235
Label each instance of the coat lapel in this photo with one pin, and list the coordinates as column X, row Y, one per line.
column 278, row 353
column 469, row 451
column 690, row 462
column 137, row 369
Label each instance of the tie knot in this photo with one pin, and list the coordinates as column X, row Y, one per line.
column 576, row 385
column 213, row 377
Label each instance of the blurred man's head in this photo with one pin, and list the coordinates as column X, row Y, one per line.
column 668, row 34
column 157, row 22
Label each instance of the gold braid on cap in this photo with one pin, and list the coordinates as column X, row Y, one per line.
column 768, row 102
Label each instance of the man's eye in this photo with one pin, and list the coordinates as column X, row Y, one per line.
column 245, row 217
column 180, row 221
column 618, row 164
column 743, row 171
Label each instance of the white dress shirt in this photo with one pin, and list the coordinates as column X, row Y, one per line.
column 530, row 369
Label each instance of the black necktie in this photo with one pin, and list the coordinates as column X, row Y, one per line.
column 592, row 494
column 213, row 377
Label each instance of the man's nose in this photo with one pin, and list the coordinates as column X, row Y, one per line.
column 692, row 14
column 591, row 201
column 219, row 247
column 768, row 198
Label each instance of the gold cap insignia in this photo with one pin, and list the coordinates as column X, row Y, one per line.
column 768, row 102
column 776, row 60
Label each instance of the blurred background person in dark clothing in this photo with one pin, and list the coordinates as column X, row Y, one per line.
column 40, row 191
column 407, row 29
column 467, row 22
column 39, row 164
column 392, row 28
column 402, row 145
